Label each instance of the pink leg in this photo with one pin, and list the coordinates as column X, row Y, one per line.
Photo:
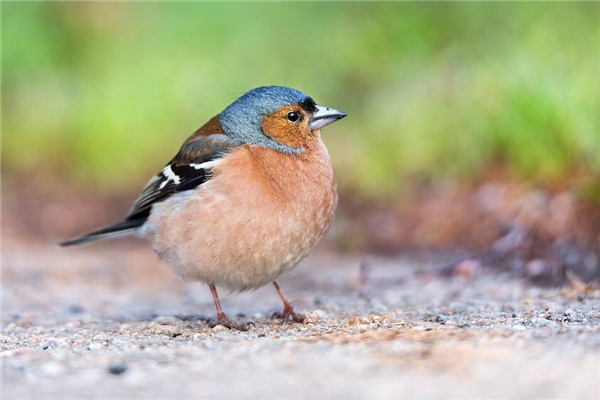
column 288, row 309
column 222, row 318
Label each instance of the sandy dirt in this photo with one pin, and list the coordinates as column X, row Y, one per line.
column 109, row 321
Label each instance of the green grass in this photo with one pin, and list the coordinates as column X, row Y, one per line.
column 105, row 93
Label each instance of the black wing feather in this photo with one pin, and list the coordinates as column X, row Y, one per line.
column 178, row 178
column 184, row 172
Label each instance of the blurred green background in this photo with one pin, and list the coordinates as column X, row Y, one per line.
column 104, row 93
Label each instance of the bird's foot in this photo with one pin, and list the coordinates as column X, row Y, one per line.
column 289, row 315
column 224, row 320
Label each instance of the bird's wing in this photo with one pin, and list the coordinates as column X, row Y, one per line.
column 188, row 169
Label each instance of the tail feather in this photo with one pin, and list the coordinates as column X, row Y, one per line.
column 120, row 229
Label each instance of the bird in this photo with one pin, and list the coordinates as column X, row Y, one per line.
column 248, row 196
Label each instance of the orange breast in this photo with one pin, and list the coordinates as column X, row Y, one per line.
column 261, row 213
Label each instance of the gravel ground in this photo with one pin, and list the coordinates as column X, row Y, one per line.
column 109, row 321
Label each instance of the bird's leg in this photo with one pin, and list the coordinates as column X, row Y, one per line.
column 222, row 318
column 288, row 310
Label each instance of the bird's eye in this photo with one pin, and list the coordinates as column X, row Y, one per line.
column 293, row 116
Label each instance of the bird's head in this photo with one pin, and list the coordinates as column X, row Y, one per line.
column 276, row 117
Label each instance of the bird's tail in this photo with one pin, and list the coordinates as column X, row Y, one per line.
column 120, row 229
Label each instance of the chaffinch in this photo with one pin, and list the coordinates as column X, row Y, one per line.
column 246, row 198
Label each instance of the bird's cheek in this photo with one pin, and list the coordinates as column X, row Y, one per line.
column 280, row 131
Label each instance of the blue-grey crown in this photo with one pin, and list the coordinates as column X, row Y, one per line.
column 242, row 119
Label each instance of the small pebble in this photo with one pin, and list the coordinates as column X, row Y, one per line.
column 220, row 328
column 539, row 322
column 168, row 330
column 49, row 345
column 441, row 318
column 117, row 368
column 76, row 309
column 312, row 317
column 95, row 346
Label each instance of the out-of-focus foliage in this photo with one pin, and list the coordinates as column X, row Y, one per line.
column 106, row 92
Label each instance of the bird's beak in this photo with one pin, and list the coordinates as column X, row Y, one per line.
column 324, row 116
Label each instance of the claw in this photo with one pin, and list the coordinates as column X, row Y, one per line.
column 295, row 317
column 223, row 319
column 288, row 316
column 288, row 310
column 227, row 323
